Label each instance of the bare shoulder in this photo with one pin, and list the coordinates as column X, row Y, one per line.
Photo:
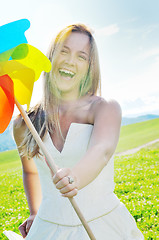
column 106, row 120
column 101, row 108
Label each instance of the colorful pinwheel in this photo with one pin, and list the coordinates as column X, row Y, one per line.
column 20, row 66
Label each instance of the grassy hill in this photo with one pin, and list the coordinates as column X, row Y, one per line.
column 131, row 120
column 131, row 136
column 137, row 134
column 9, row 159
column 136, row 178
column 128, row 127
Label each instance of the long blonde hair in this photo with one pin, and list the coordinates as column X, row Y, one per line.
column 90, row 85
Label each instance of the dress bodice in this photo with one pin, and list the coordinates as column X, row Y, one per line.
column 94, row 200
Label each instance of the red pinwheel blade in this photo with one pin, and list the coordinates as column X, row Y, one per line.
column 6, row 101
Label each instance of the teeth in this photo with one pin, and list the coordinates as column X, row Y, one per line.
column 65, row 72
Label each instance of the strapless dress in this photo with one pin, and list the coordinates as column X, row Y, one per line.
column 56, row 219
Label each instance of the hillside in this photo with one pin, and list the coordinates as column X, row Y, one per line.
column 7, row 142
column 136, row 185
column 137, row 134
column 126, row 120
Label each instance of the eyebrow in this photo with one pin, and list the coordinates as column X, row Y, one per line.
column 66, row 47
column 79, row 51
column 84, row 53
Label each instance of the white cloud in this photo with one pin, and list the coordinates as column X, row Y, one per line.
column 141, row 106
column 107, row 31
column 138, row 94
column 131, row 20
column 139, row 85
column 149, row 53
column 48, row 19
column 147, row 30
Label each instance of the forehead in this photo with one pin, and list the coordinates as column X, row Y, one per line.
column 77, row 41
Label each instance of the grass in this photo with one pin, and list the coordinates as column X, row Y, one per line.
column 9, row 160
column 13, row 205
column 137, row 134
column 136, row 178
column 137, row 183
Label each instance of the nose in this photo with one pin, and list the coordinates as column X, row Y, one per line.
column 70, row 59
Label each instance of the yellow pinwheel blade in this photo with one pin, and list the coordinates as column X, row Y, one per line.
column 25, row 68
column 23, row 85
column 34, row 59
column 8, row 67
column 23, row 79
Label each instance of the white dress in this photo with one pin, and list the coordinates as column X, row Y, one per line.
column 56, row 219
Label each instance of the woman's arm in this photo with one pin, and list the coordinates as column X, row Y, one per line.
column 103, row 142
column 30, row 179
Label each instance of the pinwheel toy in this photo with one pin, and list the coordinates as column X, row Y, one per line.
column 20, row 66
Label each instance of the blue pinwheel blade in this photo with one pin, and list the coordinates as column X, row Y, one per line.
column 13, row 34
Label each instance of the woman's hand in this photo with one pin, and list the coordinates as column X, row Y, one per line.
column 25, row 226
column 66, row 182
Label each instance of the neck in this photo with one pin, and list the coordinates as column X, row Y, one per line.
column 71, row 104
column 67, row 97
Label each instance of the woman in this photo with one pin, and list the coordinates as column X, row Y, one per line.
column 81, row 131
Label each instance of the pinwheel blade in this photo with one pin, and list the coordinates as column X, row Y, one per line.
column 25, row 70
column 20, row 66
column 12, row 34
column 23, row 85
column 7, row 101
column 35, row 60
column 22, row 77
column 18, row 52
column 9, row 67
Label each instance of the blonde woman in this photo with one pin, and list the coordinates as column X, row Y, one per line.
column 81, row 131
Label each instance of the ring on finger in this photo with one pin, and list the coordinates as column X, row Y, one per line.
column 70, row 179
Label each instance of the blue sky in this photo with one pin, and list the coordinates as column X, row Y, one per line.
column 127, row 36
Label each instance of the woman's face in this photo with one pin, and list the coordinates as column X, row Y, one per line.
column 71, row 65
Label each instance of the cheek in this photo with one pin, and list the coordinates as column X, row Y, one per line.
column 58, row 60
column 83, row 64
column 84, row 68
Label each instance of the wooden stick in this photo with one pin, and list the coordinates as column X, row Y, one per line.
column 52, row 166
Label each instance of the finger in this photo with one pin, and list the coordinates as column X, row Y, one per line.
column 67, row 188
column 29, row 223
column 61, row 173
column 71, row 193
column 62, row 183
column 22, row 229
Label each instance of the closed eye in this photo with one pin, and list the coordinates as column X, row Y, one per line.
column 82, row 57
column 64, row 50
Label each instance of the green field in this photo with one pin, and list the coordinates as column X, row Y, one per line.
column 137, row 134
column 137, row 183
column 136, row 178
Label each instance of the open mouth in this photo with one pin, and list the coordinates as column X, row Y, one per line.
column 66, row 73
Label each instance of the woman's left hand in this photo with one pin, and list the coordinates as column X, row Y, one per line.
column 66, row 182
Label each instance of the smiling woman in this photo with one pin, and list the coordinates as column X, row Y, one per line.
column 71, row 65
column 81, row 132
